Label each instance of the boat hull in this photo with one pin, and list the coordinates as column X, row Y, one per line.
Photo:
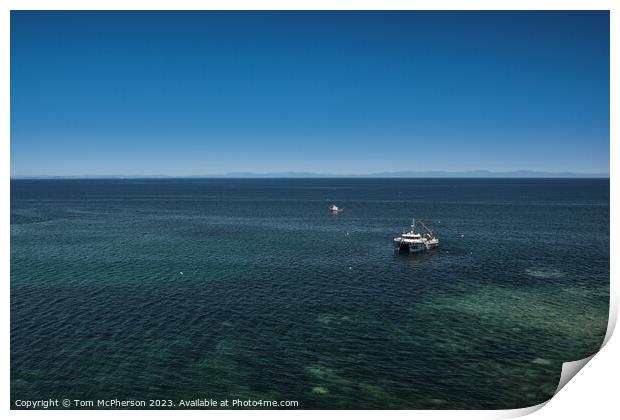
column 413, row 248
column 404, row 248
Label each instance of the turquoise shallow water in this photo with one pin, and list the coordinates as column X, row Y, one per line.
column 277, row 302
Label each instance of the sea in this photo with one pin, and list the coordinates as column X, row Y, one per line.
column 251, row 290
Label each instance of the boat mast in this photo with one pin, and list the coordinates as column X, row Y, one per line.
column 426, row 228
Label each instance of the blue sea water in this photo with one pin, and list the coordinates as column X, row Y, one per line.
column 222, row 288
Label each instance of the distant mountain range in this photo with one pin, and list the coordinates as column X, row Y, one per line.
column 396, row 174
column 422, row 174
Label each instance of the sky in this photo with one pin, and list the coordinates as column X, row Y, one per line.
column 197, row 93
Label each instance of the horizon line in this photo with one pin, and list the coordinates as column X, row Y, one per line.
column 481, row 173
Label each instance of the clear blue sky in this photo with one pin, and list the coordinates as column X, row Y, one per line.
column 189, row 93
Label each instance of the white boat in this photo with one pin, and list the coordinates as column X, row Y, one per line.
column 413, row 242
column 335, row 209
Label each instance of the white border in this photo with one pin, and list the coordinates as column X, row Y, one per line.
column 592, row 395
